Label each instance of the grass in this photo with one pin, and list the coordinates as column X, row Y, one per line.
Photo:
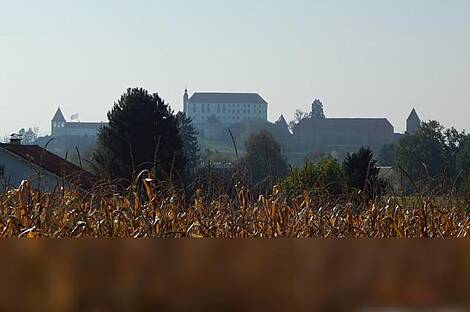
column 146, row 212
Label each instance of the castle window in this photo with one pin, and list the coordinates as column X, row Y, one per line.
column 2, row 171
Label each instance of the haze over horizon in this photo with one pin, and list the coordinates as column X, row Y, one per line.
column 361, row 58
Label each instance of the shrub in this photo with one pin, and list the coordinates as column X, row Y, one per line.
column 326, row 177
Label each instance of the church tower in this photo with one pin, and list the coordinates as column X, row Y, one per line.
column 412, row 123
column 185, row 102
column 58, row 123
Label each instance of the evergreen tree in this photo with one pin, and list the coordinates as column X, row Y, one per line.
column 142, row 134
column 317, row 110
column 362, row 172
column 189, row 139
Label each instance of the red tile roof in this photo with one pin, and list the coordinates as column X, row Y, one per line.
column 53, row 163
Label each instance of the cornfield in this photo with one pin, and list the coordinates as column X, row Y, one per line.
column 148, row 212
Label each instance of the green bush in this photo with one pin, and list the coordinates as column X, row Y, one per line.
column 326, row 177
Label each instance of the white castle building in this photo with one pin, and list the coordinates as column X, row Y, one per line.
column 227, row 108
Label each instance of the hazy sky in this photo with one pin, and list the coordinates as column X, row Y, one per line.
column 361, row 58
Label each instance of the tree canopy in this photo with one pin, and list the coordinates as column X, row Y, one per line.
column 142, row 134
column 29, row 136
column 317, row 110
column 324, row 177
column 362, row 172
column 298, row 117
column 434, row 155
column 264, row 158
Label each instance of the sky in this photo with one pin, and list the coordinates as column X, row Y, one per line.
column 361, row 58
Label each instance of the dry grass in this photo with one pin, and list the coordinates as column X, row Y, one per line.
column 144, row 212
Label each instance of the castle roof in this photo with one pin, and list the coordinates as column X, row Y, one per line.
column 58, row 117
column 52, row 163
column 217, row 97
column 347, row 124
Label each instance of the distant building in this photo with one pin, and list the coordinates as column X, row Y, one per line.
column 44, row 170
column 318, row 132
column 412, row 123
column 61, row 127
column 227, row 108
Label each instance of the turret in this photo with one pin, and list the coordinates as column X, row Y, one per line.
column 185, row 101
column 413, row 123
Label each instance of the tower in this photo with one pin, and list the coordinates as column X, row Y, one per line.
column 185, row 102
column 58, row 122
column 412, row 123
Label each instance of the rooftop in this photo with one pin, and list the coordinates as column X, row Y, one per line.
column 58, row 117
column 350, row 124
column 220, row 97
column 52, row 163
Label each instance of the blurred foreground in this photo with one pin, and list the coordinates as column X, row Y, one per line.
column 228, row 276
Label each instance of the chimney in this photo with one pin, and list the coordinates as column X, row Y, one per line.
column 15, row 139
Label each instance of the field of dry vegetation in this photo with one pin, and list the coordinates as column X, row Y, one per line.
column 145, row 211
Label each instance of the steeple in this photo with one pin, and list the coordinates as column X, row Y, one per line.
column 58, row 117
column 413, row 122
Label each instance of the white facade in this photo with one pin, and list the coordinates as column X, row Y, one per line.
column 228, row 108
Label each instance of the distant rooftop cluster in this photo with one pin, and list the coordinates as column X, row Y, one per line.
column 213, row 112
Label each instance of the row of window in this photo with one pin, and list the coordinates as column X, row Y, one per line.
column 204, row 118
column 231, row 111
column 223, row 107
